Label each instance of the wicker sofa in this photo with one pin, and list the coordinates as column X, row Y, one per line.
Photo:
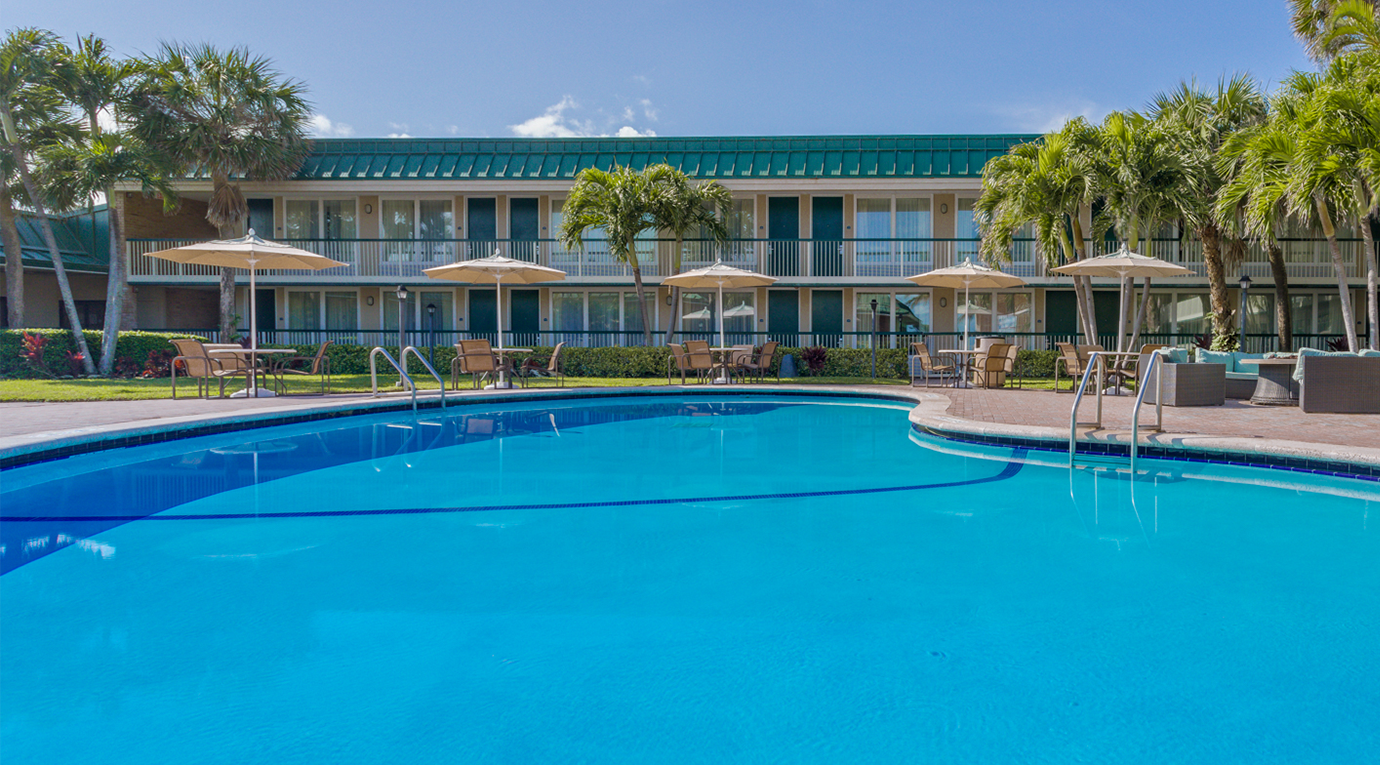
column 1340, row 384
column 1240, row 378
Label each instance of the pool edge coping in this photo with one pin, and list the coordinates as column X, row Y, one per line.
column 929, row 415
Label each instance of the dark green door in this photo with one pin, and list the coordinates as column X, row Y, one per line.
column 525, row 310
column 523, row 229
column 267, row 318
column 783, row 316
column 1105, row 305
column 260, row 217
column 1061, row 313
column 483, row 227
column 783, row 229
column 826, row 317
column 483, row 320
column 826, row 229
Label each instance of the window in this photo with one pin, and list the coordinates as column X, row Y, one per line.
column 976, row 314
column 568, row 311
column 740, row 316
column 427, row 224
column 1014, row 312
column 390, row 310
column 632, row 315
column 965, row 228
column 913, row 313
column 444, row 317
column 872, row 224
column 741, row 221
column 864, row 312
column 342, row 310
column 304, row 310
column 303, row 219
column 603, row 311
column 1158, row 313
column 1191, row 313
column 320, row 219
column 899, row 314
column 91, row 314
column 1260, row 313
column 697, row 312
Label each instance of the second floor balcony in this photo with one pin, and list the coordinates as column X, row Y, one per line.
column 856, row 261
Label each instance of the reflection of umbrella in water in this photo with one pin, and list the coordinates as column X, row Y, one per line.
column 740, row 310
column 704, row 313
column 255, row 448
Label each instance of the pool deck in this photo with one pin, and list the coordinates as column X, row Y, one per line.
column 999, row 416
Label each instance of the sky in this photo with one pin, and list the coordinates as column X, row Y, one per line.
column 430, row 68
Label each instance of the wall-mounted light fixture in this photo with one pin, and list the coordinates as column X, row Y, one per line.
column 368, row 209
column 369, row 300
column 943, row 302
column 668, row 299
column 944, row 209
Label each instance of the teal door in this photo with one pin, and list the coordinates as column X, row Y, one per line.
column 826, row 229
column 783, row 231
column 826, row 317
column 260, row 217
column 525, row 311
column 267, row 317
column 483, row 319
column 482, row 227
column 1061, row 313
column 783, row 316
column 523, row 229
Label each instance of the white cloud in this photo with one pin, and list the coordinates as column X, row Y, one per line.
column 642, row 78
column 107, row 121
column 1045, row 118
column 552, row 123
column 398, row 135
column 627, row 131
column 321, row 126
column 647, row 109
column 453, row 129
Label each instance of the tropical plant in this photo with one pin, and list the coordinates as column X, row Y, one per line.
column 1329, row 28
column 1197, row 123
column 682, row 208
column 30, row 63
column 223, row 114
column 623, row 204
column 1044, row 183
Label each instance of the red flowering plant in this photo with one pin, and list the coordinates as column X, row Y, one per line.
column 31, row 350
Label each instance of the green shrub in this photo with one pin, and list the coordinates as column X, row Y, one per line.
column 131, row 349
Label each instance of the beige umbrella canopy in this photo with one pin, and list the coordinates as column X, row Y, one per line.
column 720, row 276
column 1124, row 264
column 966, row 275
column 252, row 253
column 496, row 269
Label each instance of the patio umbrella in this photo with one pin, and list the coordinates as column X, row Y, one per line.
column 252, row 253
column 1123, row 264
column 966, row 275
column 495, row 270
column 718, row 275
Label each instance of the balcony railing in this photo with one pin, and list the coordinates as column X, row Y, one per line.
column 860, row 260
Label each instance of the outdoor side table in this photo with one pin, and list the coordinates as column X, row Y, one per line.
column 963, row 360
column 1275, row 386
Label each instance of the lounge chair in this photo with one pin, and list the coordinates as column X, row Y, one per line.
column 198, row 364
column 318, row 365
column 928, row 366
column 532, row 369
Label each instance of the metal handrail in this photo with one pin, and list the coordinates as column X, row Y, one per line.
column 1158, row 369
column 1096, row 360
column 413, row 350
column 374, row 374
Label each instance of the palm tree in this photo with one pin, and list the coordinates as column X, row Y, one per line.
column 1045, row 183
column 223, row 114
column 1318, row 189
column 1197, row 123
column 623, row 203
column 29, row 62
column 1252, row 201
column 1144, row 183
column 683, row 208
column 96, row 84
column 1329, row 28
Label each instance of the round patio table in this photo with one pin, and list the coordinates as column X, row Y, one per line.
column 1275, row 386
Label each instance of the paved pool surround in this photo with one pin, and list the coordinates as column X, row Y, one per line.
column 39, row 432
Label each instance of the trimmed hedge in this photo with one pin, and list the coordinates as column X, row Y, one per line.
column 131, row 349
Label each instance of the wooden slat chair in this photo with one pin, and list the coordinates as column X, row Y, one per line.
column 931, row 368
column 198, row 364
column 318, row 365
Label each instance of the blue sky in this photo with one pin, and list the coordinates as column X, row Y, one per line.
column 435, row 68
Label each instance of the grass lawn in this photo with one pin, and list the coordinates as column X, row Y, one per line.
column 129, row 390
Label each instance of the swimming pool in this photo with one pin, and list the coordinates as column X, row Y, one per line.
column 677, row 580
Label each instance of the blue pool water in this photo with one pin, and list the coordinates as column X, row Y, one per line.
column 655, row 580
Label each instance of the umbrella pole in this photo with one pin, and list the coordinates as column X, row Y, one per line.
column 253, row 333
column 967, row 305
column 498, row 302
column 723, row 341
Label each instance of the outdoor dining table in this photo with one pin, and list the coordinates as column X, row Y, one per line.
column 503, row 379
column 725, row 355
column 252, row 354
column 965, row 358
column 1275, row 385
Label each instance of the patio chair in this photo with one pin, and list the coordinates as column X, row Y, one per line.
column 532, row 369
column 1130, row 369
column 198, row 364
column 1013, row 368
column 677, row 362
column 761, row 362
column 318, row 365
column 1075, row 361
column 989, row 371
column 735, row 363
column 931, row 368
column 477, row 359
column 699, row 358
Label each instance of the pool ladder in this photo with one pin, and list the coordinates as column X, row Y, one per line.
column 406, row 378
column 1098, row 360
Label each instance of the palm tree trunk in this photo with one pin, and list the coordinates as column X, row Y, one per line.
column 1082, row 286
column 46, row 225
column 1372, row 299
column 1339, row 270
column 675, row 294
column 1140, row 314
column 14, row 263
column 1217, row 282
column 115, row 289
column 1284, row 314
column 641, row 300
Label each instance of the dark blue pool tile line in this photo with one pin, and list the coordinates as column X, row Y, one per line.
column 1359, row 471
column 1008, row 471
column 178, row 433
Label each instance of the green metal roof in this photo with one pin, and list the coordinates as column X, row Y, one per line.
column 83, row 240
column 517, row 159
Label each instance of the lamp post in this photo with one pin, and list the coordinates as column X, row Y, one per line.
column 874, row 338
column 401, row 293
column 1245, row 288
column 431, row 327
